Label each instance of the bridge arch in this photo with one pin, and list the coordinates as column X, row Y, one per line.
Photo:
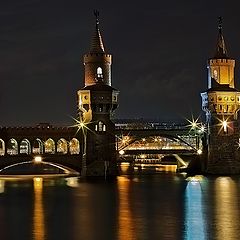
column 74, row 146
column 25, row 147
column 37, row 146
column 12, row 147
column 62, row 146
column 2, row 147
column 49, row 146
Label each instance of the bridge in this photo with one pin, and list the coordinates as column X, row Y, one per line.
column 64, row 145
column 153, row 143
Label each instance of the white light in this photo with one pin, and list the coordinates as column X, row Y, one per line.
column 224, row 123
column 121, row 152
column 37, row 159
column 199, row 151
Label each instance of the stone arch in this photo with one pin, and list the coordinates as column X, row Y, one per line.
column 37, row 147
column 2, row 147
column 49, row 146
column 62, row 146
column 12, row 147
column 25, row 147
column 74, row 146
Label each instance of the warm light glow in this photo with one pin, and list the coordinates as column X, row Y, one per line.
column 225, row 124
column 37, row 159
column 121, row 152
column 199, row 151
column 38, row 213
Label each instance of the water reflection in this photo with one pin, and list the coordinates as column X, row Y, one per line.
column 125, row 219
column 38, row 212
column 194, row 218
column 2, row 186
column 226, row 209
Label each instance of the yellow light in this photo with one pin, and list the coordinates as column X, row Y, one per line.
column 121, row 152
column 37, row 159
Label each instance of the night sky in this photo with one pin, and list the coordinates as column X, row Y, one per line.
column 160, row 50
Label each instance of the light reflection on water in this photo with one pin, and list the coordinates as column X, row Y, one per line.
column 163, row 206
column 38, row 211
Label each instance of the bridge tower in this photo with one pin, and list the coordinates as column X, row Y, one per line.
column 221, row 103
column 97, row 101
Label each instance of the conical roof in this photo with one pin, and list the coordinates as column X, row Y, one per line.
column 97, row 42
column 221, row 50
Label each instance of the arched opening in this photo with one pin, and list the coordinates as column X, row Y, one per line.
column 25, row 147
column 49, row 146
column 2, row 147
column 100, row 127
column 62, row 146
column 37, row 146
column 74, row 147
column 99, row 72
column 12, row 147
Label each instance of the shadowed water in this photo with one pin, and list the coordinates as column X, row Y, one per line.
column 162, row 206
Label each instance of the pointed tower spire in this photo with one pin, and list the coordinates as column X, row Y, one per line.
column 97, row 42
column 221, row 50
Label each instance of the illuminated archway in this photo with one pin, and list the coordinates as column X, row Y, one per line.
column 2, row 147
column 25, row 147
column 74, row 147
column 37, row 146
column 62, row 146
column 12, row 147
column 49, row 146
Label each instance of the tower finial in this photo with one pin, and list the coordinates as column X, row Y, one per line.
column 96, row 14
column 97, row 42
column 220, row 20
column 221, row 50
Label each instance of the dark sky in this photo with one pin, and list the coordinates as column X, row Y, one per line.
column 159, row 48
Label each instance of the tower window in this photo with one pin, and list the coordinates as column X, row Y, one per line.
column 99, row 72
column 100, row 127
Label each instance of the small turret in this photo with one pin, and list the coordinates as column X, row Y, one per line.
column 221, row 67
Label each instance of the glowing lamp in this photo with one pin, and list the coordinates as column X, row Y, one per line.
column 224, row 124
column 37, row 159
column 199, row 151
column 121, row 152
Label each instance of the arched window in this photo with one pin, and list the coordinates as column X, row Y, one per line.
column 62, row 146
column 25, row 147
column 100, row 127
column 49, row 146
column 2, row 147
column 99, row 72
column 37, row 146
column 12, row 147
column 74, row 147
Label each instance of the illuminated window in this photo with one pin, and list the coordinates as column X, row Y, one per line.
column 62, row 146
column 101, row 127
column 74, row 147
column 12, row 147
column 49, row 146
column 99, row 72
column 25, row 147
column 2, row 147
column 37, row 146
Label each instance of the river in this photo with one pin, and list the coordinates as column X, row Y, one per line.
column 161, row 206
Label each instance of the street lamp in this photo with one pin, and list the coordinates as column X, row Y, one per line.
column 84, row 155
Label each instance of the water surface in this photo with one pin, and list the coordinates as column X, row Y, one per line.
column 161, row 206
